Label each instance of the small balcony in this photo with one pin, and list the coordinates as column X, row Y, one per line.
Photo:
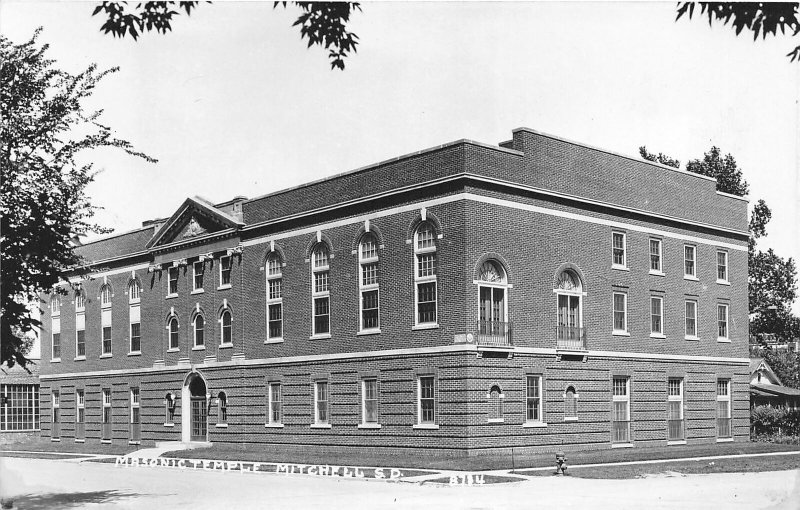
column 494, row 334
column 570, row 338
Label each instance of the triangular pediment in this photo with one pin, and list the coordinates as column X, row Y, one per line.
column 196, row 218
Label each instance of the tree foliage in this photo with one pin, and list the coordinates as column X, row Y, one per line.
column 44, row 130
column 660, row 158
column 724, row 170
column 322, row 23
column 785, row 366
column 760, row 18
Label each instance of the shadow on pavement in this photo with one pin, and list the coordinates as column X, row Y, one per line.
column 67, row 499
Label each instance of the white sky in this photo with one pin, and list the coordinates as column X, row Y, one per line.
column 232, row 103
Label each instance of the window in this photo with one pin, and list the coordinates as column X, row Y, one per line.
column 80, row 335
column 689, row 270
column 225, row 271
column 723, row 408
column 369, row 392
column 620, row 313
column 368, row 283
column 105, row 295
column 569, row 295
column 227, row 329
column 495, row 398
column 274, row 411
column 675, row 409
column 173, row 333
column 106, row 323
column 80, row 301
column 320, row 292
column 134, row 292
column 198, row 269
column 722, row 267
column 620, row 401
column 56, row 344
column 173, row 281
column 80, row 407
column 427, row 400
column 19, row 408
column 656, row 316
column 722, row 322
column 199, row 325
column 106, row 416
column 169, row 409
column 425, row 274
column 55, row 305
column 134, row 314
column 274, row 298
column 222, row 408
column 321, row 402
column 691, row 319
column 618, row 250
column 492, row 325
column 533, row 398
column 570, row 404
column 655, row 256
column 135, row 417
column 56, row 428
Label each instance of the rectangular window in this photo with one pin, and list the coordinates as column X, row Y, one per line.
column 198, row 270
column 135, row 405
column 368, row 285
column 56, row 425
column 427, row 399
column 533, row 398
column 620, row 312
column 106, row 416
column 689, row 270
column 275, row 289
column 722, row 266
column 724, row 408
column 106, row 323
column 620, row 400
column 274, row 299
column 656, row 315
column 722, row 322
column 675, row 426
column 655, row 256
column 173, row 281
column 369, row 392
column 426, row 302
column 169, row 409
column 320, row 293
column 80, row 405
column 80, row 335
column 691, row 319
column 56, row 330
column 274, row 412
column 369, row 310
column 321, row 402
column 618, row 250
column 19, row 409
column 321, row 282
column 276, row 320
column 426, row 265
column 55, row 304
column 225, row 271
column 135, row 329
column 369, row 275
column 322, row 316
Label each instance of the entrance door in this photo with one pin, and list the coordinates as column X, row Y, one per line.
column 199, row 419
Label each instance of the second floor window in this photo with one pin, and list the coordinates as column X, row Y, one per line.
column 722, row 322
column 618, row 250
column 425, row 274
column 106, row 322
column 105, row 295
column 227, row 328
column 689, row 269
column 569, row 292
column 620, row 312
column 691, row 319
column 368, row 283
column 56, row 332
column 173, row 333
column 199, row 331
column 80, row 301
column 320, row 291
column 656, row 315
column 134, row 292
column 135, row 328
column 80, row 335
column 274, row 297
column 655, row 256
column 722, row 266
column 55, row 305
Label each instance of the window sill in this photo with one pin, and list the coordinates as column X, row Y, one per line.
column 105, row 441
column 723, row 282
column 80, row 440
column 57, row 360
column 221, row 425
column 620, row 333
column 723, row 340
column 135, row 301
column 80, row 358
column 274, row 340
column 224, row 287
column 724, row 439
column 366, row 332
column 321, row 425
column 657, row 273
column 104, row 356
column 199, row 348
column 173, row 350
column 691, row 278
column 273, row 425
column 621, row 445
column 58, row 439
column 425, row 426
column 135, row 353
column 571, row 418
column 169, row 424
column 534, row 425
column 658, row 335
column 225, row 346
column 134, row 442
column 369, row 425
column 692, row 338
column 198, row 291
column 675, row 443
column 425, row 326
column 170, row 296
column 320, row 337
column 620, row 268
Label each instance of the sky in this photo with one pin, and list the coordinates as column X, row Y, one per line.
column 232, row 102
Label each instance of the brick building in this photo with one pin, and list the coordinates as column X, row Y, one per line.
column 460, row 299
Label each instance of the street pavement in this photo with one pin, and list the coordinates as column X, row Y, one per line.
column 74, row 483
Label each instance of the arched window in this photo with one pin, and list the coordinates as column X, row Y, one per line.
column 368, row 283
column 274, row 298
column 495, row 398
column 570, row 404
column 199, row 326
column 320, row 291
column 55, row 304
column 105, row 295
column 134, row 291
column 493, row 327
column 173, row 333
column 105, row 319
column 222, row 403
column 569, row 293
column 80, row 301
column 227, row 330
column 425, row 282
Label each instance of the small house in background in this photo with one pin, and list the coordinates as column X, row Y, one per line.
column 767, row 389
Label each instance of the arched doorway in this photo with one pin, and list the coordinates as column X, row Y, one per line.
column 195, row 408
